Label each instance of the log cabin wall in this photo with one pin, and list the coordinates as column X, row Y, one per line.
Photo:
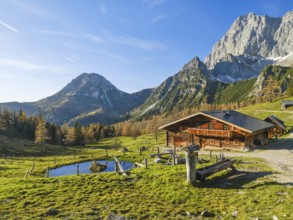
column 210, row 132
column 179, row 139
column 275, row 132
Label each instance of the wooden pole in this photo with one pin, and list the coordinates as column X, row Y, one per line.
column 216, row 158
column 158, row 150
column 146, row 162
column 54, row 160
column 190, row 167
column 140, row 151
column 27, row 171
column 47, row 172
column 106, row 152
column 77, row 169
column 116, row 167
column 33, row 167
column 210, row 154
column 174, row 155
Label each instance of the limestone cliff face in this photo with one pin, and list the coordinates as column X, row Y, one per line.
column 251, row 43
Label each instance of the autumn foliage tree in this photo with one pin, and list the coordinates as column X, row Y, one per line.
column 41, row 133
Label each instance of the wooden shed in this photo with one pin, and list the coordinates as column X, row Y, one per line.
column 219, row 129
column 279, row 128
column 286, row 104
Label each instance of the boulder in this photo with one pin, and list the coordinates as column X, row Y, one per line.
column 97, row 167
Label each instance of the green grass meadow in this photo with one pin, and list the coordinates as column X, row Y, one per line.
column 159, row 192
column 264, row 110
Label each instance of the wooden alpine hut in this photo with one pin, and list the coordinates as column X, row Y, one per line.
column 218, row 129
column 279, row 128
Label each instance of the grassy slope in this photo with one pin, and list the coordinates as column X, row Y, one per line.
column 159, row 191
column 235, row 92
column 263, row 110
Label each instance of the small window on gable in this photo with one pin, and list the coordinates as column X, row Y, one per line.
column 211, row 126
column 225, row 127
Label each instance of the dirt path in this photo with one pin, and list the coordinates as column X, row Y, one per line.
column 274, row 111
column 279, row 155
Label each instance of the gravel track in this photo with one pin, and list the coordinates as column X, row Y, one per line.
column 278, row 154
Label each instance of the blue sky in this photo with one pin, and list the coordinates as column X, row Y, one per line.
column 135, row 44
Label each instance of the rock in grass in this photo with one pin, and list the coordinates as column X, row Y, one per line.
column 207, row 214
column 234, row 214
column 52, row 211
column 275, row 217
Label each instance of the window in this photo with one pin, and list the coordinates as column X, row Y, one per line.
column 236, row 142
column 211, row 126
column 226, row 141
column 225, row 127
column 212, row 141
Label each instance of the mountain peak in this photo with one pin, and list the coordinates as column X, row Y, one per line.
column 194, row 63
column 90, row 81
column 252, row 42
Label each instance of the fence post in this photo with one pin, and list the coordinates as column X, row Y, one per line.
column 47, row 172
column 210, row 154
column 106, row 152
column 116, row 167
column 77, row 169
column 190, row 164
column 174, row 156
column 146, row 162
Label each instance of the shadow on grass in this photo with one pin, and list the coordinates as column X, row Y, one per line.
column 234, row 180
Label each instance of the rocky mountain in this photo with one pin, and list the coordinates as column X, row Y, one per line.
column 191, row 86
column 238, row 68
column 251, row 43
column 231, row 73
column 88, row 98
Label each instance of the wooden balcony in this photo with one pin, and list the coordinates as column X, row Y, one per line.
column 209, row 132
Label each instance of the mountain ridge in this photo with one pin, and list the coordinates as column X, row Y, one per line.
column 85, row 94
column 238, row 68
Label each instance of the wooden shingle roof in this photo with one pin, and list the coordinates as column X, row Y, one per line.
column 277, row 121
column 237, row 119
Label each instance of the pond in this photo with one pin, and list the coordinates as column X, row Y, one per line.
column 84, row 168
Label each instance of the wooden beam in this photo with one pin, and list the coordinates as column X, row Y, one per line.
column 120, row 167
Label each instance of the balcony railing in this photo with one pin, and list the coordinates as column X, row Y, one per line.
column 210, row 132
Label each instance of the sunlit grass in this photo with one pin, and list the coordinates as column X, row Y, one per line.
column 157, row 192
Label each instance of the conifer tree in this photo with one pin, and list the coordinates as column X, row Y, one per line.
column 41, row 133
column 70, row 136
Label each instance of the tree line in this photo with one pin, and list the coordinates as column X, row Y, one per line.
column 19, row 125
